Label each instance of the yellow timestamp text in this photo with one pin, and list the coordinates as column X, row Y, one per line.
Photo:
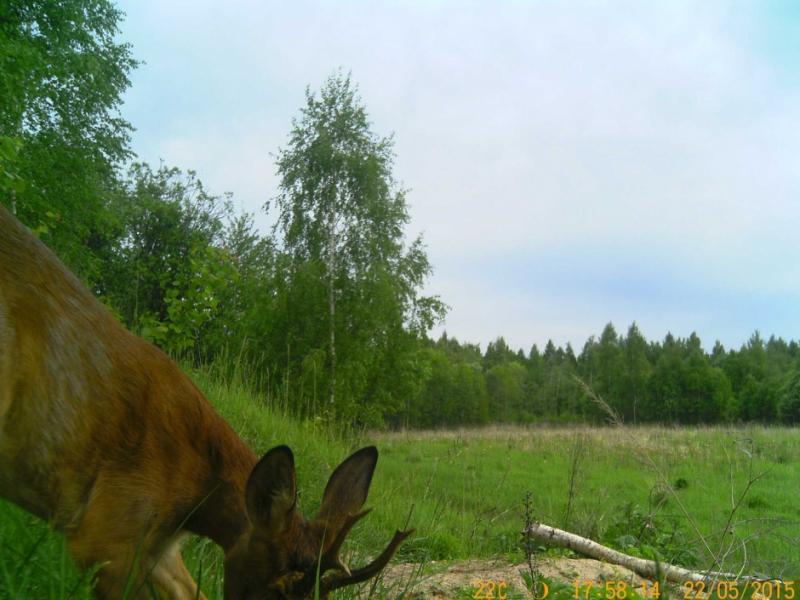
column 490, row 589
column 691, row 590
column 617, row 589
column 734, row 590
column 614, row 589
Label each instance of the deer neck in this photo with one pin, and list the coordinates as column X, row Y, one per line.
column 220, row 512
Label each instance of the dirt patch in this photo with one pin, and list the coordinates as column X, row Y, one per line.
column 464, row 579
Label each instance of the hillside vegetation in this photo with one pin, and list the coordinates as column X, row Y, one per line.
column 642, row 490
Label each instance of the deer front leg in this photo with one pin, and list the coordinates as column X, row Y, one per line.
column 121, row 536
column 136, row 573
column 172, row 579
column 115, row 578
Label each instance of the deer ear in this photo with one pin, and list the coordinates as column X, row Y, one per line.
column 348, row 486
column 271, row 491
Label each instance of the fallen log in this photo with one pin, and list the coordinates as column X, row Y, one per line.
column 648, row 569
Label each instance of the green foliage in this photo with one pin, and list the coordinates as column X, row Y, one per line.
column 506, row 386
column 193, row 301
column 62, row 70
column 649, row 535
column 167, row 272
column 636, row 370
column 498, row 352
column 62, row 75
column 454, row 391
column 11, row 183
column 789, row 408
column 609, row 375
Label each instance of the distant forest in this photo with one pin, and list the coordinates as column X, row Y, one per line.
column 670, row 382
column 323, row 314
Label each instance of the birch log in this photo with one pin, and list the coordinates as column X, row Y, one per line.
column 648, row 569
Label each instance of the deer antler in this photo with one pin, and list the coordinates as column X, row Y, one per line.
column 331, row 559
column 333, row 582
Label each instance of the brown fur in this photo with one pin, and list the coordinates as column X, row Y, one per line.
column 102, row 435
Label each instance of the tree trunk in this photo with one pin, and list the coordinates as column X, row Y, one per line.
column 332, row 301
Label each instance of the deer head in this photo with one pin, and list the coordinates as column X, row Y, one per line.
column 281, row 554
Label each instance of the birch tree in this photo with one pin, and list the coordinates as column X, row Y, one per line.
column 342, row 215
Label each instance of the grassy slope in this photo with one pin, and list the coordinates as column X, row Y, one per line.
column 466, row 491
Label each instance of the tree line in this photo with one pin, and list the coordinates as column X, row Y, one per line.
column 615, row 377
column 324, row 314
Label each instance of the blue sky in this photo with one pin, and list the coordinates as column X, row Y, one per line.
column 570, row 163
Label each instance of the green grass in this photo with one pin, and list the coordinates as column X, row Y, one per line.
column 469, row 488
column 464, row 491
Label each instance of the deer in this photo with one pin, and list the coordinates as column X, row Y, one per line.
column 103, row 436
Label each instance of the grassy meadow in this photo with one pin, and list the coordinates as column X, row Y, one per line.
column 687, row 495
